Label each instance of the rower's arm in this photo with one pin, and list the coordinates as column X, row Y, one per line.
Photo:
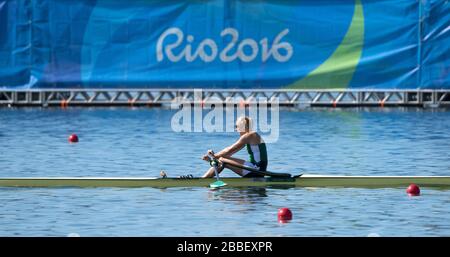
column 234, row 148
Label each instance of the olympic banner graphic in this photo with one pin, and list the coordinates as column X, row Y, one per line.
column 401, row 44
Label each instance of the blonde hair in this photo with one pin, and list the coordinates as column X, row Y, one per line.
column 244, row 123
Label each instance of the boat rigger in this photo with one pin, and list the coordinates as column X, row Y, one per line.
column 306, row 180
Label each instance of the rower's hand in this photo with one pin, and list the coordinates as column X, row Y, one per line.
column 211, row 153
column 206, row 158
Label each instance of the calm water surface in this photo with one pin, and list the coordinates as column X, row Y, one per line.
column 140, row 142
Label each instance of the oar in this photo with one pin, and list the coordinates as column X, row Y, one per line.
column 265, row 173
column 218, row 183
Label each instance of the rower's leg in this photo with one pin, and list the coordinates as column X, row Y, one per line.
column 233, row 161
column 211, row 172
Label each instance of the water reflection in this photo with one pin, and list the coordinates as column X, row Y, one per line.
column 245, row 195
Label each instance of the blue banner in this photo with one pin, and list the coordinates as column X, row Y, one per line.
column 225, row 44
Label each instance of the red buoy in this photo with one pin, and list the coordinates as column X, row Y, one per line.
column 73, row 138
column 413, row 190
column 284, row 214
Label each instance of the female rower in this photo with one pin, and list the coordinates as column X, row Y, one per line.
column 256, row 149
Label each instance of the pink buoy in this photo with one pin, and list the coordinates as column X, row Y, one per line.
column 73, row 138
column 284, row 214
column 413, row 190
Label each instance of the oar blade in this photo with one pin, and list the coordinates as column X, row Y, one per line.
column 217, row 184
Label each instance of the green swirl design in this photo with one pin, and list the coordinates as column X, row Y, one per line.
column 337, row 71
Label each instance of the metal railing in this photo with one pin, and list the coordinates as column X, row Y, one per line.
column 285, row 97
